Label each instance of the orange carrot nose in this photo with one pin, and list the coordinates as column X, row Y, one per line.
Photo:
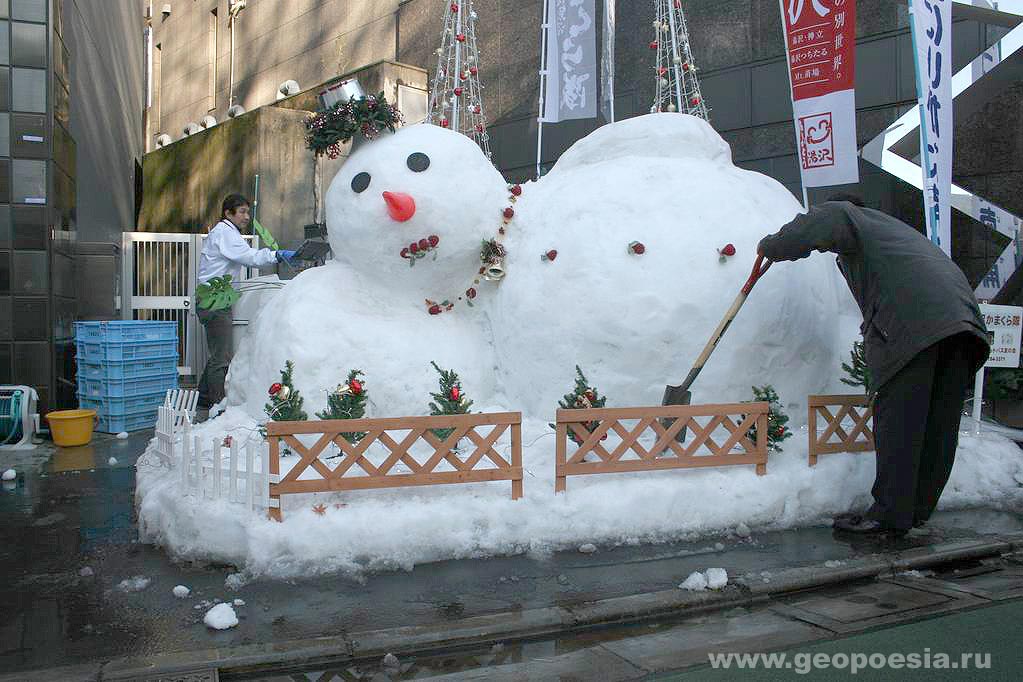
column 400, row 206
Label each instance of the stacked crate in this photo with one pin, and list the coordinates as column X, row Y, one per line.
column 125, row 369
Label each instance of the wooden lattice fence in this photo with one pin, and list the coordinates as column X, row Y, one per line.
column 728, row 423
column 480, row 462
column 848, row 424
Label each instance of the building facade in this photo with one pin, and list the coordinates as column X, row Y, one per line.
column 738, row 46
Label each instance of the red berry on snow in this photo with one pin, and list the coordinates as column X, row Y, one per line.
column 516, row 190
column 434, row 240
column 552, row 254
column 470, row 293
column 435, row 309
column 637, row 248
column 728, row 250
column 413, row 247
column 424, row 244
column 509, row 212
column 404, row 252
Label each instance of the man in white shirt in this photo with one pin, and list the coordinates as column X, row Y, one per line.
column 225, row 252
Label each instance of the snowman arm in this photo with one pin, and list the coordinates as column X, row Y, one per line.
column 237, row 250
column 824, row 228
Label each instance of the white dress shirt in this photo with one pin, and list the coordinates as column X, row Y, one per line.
column 226, row 253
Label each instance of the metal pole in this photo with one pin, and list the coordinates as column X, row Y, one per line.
column 255, row 198
column 675, row 60
column 978, row 397
column 230, row 91
column 543, row 85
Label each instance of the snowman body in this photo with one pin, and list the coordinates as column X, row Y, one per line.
column 632, row 322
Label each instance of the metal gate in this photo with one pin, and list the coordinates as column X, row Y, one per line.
column 159, row 275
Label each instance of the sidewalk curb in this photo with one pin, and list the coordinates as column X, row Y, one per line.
column 529, row 623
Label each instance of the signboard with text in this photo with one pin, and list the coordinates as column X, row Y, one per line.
column 1004, row 324
column 820, row 38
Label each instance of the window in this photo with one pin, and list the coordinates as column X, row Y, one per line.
column 29, row 87
column 29, row 227
column 29, row 182
column 29, row 42
column 29, row 136
column 28, row 10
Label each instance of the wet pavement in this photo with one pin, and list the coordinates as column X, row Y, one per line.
column 68, row 540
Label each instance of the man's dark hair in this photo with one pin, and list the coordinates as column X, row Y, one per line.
column 854, row 199
column 231, row 204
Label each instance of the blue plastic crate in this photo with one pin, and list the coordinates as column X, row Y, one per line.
column 130, row 369
column 126, row 330
column 132, row 422
column 126, row 388
column 121, row 407
column 102, row 351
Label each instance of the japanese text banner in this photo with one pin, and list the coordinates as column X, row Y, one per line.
column 820, row 37
column 931, row 23
column 572, row 77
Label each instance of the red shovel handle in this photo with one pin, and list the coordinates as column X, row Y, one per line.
column 759, row 268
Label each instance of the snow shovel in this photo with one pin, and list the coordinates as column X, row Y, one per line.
column 681, row 395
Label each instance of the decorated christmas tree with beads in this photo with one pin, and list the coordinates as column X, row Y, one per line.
column 777, row 431
column 348, row 401
column 582, row 397
column 285, row 401
column 449, row 400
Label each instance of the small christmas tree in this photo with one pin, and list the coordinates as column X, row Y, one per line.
column 859, row 373
column 449, row 400
column 777, row 431
column 285, row 401
column 582, row 397
column 348, row 401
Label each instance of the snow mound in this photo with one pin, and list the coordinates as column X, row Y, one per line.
column 181, row 592
column 123, row 435
column 10, row 475
column 716, row 578
column 696, row 582
column 588, row 548
column 220, row 617
column 134, row 584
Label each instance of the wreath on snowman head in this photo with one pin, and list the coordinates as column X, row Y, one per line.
column 368, row 116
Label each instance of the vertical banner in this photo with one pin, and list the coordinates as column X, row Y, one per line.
column 820, row 38
column 572, row 78
column 931, row 24
column 607, row 64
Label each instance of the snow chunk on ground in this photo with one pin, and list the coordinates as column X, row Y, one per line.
column 123, row 435
column 588, row 548
column 391, row 661
column 220, row 617
column 716, row 578
column 696, row 582
column 742, row 530
column 235, row 581
column 239, row 602
column 181, row 592
column 134, row 584
column 112, row 461
column 10, row 475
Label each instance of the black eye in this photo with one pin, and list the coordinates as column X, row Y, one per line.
column 418, row 162
column 360, row 182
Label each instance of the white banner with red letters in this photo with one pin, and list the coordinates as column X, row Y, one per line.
column 931, row 24
column 820, row 38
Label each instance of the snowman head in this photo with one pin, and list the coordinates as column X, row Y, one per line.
column 423, row 186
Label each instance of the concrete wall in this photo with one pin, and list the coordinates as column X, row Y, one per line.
column 107, row 99
column 309, row 41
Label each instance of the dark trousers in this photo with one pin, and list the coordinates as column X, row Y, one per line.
column 916, row 430
column 219, row 326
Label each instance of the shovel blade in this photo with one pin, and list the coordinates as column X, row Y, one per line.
column 675, row 395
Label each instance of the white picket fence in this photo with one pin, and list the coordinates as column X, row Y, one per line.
column 242, row 481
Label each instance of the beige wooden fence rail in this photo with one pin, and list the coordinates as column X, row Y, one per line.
column 836, row 409
column 732, row 422
column 465, row 427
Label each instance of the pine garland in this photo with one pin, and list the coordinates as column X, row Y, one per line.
column 285, row 401
column 777, row 431
column 327, row 130
column 582, row 397
column 449, row 400
column 859, row 373
column 348, row 401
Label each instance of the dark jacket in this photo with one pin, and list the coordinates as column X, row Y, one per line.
column 910, row 293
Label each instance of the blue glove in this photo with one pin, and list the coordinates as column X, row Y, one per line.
column 285, row 256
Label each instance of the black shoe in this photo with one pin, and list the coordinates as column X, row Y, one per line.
column 861, row 526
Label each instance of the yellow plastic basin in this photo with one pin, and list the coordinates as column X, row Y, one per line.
column 72, row 427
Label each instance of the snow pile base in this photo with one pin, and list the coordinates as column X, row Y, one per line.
column 134, row 584
column 716, row 578
column 181, row 592
column 220, row 617
column 696, row 582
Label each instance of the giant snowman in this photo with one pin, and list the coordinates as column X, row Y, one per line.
column 632, row 322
